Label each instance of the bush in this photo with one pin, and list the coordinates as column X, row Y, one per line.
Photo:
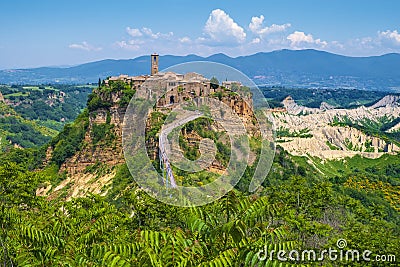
column 95, row 102
column 70, row 139
column 102, row 132
column 126, row 97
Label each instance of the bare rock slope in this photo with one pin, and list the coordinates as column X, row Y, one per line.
column 325, row 137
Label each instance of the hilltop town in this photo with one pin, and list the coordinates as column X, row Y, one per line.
column 107, row 106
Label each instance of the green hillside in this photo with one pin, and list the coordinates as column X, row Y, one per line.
column 304, row 203
column 32, row 115
column 16, row 130
column 298, row 208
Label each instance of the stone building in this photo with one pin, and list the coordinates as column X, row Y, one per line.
column 181, row 87
column 231, row 84
column 154, row 64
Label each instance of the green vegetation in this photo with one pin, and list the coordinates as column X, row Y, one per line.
column 156, row 120
column 127, row 94
column 101, row 97
column 203, row 128
column 56, row 102
column 356, row 164
column 284, row 132
column 35, row 114
column 218, row 95
column 28, row 159
column 118, row 86
column 14, row 129
column 368, row 146
column 23, row 133
column 373, row 128
column 296, row 209
column 103, row 132
column 214, row 82
column 332, row 146
column 304, row 203
column 349, row 145
column 70, row 139
column 95, row 102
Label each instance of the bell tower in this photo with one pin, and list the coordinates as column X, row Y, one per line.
column 154, row 64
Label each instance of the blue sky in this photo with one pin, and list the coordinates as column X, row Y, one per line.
column 49, row 32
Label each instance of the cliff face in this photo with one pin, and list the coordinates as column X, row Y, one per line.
column 93, row 166
column 388, row 101
column 328, row 137
column 108, row 153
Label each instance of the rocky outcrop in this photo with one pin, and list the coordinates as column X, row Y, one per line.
column 329, row 141
column 388, row 101
column 395, row 128
column 293, row 108
column 326, row 106
column 1, row 97
column 108, row 154
column 338, row 142
column 111, row 154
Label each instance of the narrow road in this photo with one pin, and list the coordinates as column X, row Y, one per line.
column 170, row 180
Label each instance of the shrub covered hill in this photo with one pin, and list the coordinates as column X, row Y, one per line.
column 74, row 202
column 31, row 115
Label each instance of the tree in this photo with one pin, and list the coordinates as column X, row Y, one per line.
column 214, row 82
column 17, row 194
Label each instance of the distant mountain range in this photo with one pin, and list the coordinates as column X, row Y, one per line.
column 291, row 68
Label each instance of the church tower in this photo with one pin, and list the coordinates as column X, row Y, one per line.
column 154, row 64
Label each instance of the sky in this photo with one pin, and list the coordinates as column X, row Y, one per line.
column 62, row 33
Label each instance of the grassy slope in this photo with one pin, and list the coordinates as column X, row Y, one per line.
column 26, row 133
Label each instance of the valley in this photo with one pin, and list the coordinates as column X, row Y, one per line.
column 334, row 173
column 200, row 133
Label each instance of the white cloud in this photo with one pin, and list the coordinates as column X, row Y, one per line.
column 130, row 45
column 126, row 45
column 256, row 26
column 143, row 36
column 185, row 40
column 222, row 34
column 383, row 42
column 337, row 44
column 298, row 39
column 221, row 28
column 133, row 32
column 392, row 37
column 148, row 32
column 256, row 23
column 85, row 46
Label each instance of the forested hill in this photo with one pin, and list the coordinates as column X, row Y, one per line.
column 300, row 68
column 31, row 115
